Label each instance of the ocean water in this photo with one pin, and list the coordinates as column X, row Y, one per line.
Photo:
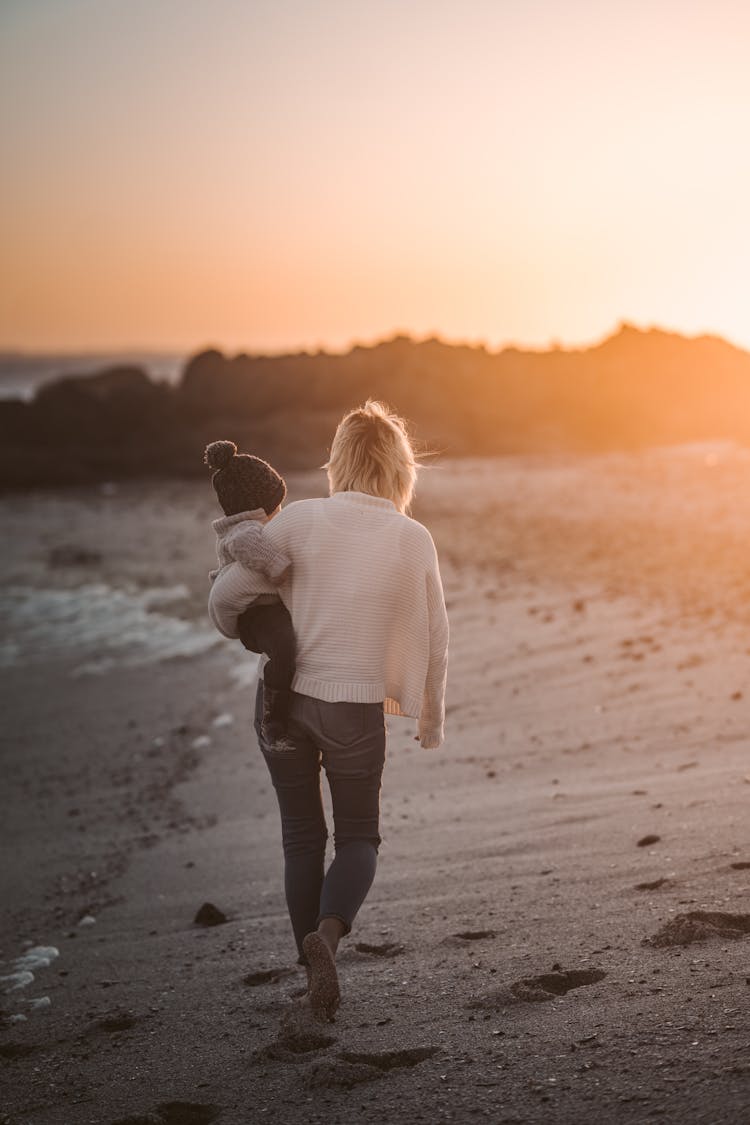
column 22, row 374
column 98, row 627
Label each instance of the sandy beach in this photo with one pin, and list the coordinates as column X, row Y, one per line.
column 559, row 927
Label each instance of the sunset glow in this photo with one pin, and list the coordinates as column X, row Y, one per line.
column 278, row 174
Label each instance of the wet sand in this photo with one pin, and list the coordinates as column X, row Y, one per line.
column 558, row 931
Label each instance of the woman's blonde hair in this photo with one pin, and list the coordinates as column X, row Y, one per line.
column 372, row 452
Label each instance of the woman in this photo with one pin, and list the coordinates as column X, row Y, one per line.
column 366, row 601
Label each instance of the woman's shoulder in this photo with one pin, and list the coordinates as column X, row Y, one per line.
column 293, row 520
column 417, row 529
column 417, row 537
column 298, row 511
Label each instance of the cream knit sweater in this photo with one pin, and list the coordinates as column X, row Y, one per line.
column 366, row 601
column 230, row 545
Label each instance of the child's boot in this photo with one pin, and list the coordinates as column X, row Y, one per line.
column 275, row 719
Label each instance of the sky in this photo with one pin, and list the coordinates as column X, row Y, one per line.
column 268, row 175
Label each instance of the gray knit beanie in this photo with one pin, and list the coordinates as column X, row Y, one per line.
column 243, row 482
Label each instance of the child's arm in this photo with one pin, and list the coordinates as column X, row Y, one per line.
column 248, row 546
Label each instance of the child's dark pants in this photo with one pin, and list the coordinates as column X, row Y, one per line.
column 267, row 628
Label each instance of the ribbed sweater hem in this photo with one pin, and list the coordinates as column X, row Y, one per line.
column 410, row 706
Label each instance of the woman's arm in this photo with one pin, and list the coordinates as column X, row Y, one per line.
column 269, row 547
column 233, row 589
column 266, row 547
column 248, row 544
column 432, row 717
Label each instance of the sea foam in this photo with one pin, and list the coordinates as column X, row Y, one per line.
column 122, row 627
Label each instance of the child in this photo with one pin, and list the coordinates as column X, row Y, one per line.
column 249, row 489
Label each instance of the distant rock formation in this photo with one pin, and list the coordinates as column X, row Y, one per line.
column 635, row 388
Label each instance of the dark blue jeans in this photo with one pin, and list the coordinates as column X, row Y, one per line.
column 348, row 739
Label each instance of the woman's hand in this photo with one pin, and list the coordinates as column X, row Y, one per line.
column 429, row 739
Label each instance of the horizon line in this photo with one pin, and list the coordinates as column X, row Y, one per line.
column 554, row 344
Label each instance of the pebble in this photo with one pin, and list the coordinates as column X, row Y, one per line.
column 224, row 720
column 209, row 915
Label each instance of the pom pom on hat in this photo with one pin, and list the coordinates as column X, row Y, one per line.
column 219, row 453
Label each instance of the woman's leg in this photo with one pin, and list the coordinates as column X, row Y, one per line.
column 353, row 741
column 296, row 779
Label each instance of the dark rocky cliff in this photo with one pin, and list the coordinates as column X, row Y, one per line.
column 636, row 388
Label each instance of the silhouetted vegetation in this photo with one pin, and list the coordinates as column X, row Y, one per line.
column 636, row 388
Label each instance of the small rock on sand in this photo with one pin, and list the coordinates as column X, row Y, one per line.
column 209, row 915
column 223, row 720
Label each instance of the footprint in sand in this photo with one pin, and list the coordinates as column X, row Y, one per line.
column 140, row 1119
column 266, row 976
column 385, row 949
column 338, row 1073
column 16, row 1051
column 699, row 925
column 117, row 1021
column 547, row 986
column 475, row 935
column 461, row 939
column 174, row 1113
column 293, row 1043
column 188, row 1113
column 652, row 886
column 390, row 1060
column 351, row 1068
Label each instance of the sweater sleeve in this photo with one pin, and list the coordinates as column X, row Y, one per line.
column 268, row 548
column 232, row 592
column 249, row 545
column 432, row 717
